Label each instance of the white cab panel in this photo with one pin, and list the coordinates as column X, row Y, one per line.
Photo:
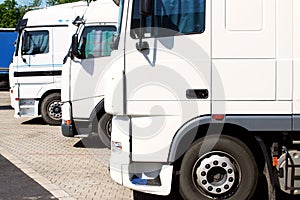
column 244, row 79
column 244, row 15
column 296, row 56
column 237, row 34
column 284, row 49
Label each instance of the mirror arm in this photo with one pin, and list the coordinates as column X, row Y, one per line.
column 74, row 46
column 141, row 32
column 142, row 46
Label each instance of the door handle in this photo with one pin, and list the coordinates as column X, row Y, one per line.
column 197, row 93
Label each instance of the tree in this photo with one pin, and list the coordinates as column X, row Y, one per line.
column 10, row 13
column 36, row 3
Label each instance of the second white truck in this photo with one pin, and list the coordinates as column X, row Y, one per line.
column 82, row 76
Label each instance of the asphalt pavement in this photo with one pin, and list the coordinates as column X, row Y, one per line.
column 15, row 184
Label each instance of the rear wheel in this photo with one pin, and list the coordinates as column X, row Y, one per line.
column 51, row 109
column 104, row 129
column 218, row 168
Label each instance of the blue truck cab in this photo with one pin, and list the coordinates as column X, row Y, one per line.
column 8, row 37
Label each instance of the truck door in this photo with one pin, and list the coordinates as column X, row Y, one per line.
column 94, row 52
column 35, row 65
column 167, row 67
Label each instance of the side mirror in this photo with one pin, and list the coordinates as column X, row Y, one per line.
column 117, row 2
column 22, row 23
column 74, row 45
column 25, row 44
column 146, row 7
column 77, row 21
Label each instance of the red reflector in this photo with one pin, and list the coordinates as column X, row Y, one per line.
column 17, row 99
column 218, row 117
column 275, row 161
column 12, row 91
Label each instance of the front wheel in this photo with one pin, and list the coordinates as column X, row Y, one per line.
column 51, row 109
column 218, row 168
column 104, row 129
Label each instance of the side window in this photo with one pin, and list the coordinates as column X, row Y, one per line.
column 35, row 42
column 171, row 17
column 96, row 41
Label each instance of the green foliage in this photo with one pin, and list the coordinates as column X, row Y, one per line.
column 10, row 13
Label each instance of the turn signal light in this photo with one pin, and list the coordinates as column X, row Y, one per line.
column 275, row 161
column 218, row 117
column 67, row 122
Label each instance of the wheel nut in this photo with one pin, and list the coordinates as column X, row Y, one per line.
column 218, row 190
column 207, row 166
column 203, row 173
column 226, row 187
column 224, row 164
column 210, row 188
column 230, row 171
column 204, row 182
column 230, row 179
column 216, row 162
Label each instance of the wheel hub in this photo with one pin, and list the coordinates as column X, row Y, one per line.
column 55, row 110
column 215, row 174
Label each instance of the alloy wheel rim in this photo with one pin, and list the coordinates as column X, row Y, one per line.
column 216, row 174
column 54, row 110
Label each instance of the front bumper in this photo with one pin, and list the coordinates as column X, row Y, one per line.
column 149, row 177
column 67, row 130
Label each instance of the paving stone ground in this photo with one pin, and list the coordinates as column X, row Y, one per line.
column 71, row 168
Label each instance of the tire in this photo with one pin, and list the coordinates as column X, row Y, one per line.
column 224, row 169
column 104, row 129
column 51, row 109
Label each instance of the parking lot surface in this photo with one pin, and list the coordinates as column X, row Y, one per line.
column 69, row 168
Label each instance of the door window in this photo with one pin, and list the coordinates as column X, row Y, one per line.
column 96, row 41
column 35, row 42
column 170, row 17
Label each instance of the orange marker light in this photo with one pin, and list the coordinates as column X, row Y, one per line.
column 67, row 122
column 218, row 117
column 275, row 161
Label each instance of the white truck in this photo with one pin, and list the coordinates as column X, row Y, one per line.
column 206, row 95
column 82, row 89
column 35, row 73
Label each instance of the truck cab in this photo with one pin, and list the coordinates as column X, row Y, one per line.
column 205, row 97
column 35, row 73
column 82, row 84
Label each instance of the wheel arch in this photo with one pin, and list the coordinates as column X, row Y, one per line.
column 96, row 113
column 45, row 95
column 204, row 125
